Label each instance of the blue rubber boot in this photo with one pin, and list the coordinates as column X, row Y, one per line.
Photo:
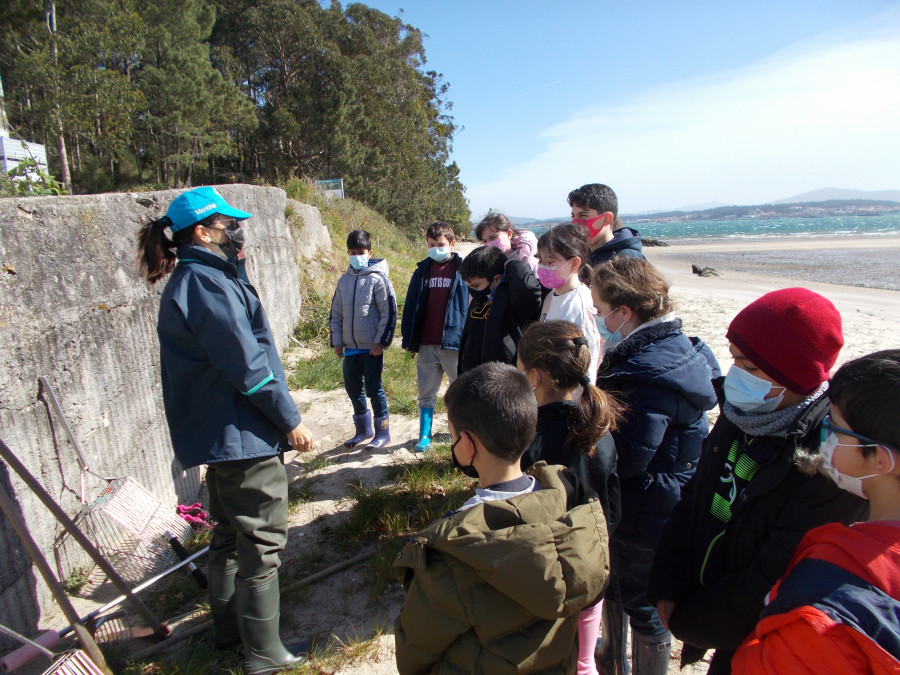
column 364, row 429
column 382, row 433
column 426, row 415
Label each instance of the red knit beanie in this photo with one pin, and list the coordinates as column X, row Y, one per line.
column 792, row 335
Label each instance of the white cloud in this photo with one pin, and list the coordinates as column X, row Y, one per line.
column 809, row 117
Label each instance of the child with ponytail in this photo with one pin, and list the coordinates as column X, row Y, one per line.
column 555, row 358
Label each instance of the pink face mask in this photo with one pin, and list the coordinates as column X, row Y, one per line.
column 589, row 224
column 497, row 243
column 550, row 276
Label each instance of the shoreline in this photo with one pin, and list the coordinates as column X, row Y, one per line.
column 780, row 242
column 863, row 262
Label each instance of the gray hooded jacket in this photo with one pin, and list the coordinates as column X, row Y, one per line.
column 364, row 308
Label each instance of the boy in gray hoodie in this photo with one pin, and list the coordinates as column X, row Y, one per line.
column 363, row 318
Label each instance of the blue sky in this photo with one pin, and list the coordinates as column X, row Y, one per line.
column 670, row 103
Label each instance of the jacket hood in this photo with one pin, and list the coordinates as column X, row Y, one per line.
column 544, row 549
column 870, row 550
column 625, row 237
column 675, row 361
column 375, row 265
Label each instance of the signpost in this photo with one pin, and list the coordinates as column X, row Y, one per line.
column 331, row 186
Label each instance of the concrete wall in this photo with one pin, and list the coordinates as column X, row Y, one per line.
column 72, row 308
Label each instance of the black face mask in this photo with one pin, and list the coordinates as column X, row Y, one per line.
column 480, row 296
column 235, row 243
column 470, row 470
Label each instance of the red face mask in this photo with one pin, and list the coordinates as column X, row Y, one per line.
column 589, row 224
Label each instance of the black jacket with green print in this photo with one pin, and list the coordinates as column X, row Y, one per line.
column 777, row 508
column 493, row 328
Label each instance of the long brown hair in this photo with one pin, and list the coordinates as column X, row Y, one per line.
column 559, row 349
column 156, row 252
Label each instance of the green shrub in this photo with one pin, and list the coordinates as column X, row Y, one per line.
column 300, row 190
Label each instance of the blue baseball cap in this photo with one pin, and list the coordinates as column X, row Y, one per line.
column 193, row 206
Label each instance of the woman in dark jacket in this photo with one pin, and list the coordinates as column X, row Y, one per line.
column 664, row 379
column 555, row 358
column 227, row 406
column 748, row 506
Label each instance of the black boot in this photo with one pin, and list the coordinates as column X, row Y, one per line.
column 650, row 655
column 612, row 655
column 258, row 603
column 222, row 570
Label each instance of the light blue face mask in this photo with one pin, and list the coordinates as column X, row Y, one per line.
column 748, row 393
column 610, row 337
column 359, row 262
column 439, row 253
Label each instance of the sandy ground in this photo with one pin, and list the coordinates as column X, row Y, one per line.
column 338, row 608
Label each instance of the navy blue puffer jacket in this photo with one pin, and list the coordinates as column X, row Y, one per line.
column 665, row 380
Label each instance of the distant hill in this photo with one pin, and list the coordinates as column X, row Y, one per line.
column 839, row 200
column 830, row 207
column 522, row 221
column 830, row 194
column 699, row 207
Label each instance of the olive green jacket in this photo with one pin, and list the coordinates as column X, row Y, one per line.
column 497, row 588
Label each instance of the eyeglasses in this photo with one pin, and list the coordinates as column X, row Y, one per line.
column 829, row 428
column 229, row 224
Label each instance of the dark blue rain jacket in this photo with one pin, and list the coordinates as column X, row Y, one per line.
column 224, row 390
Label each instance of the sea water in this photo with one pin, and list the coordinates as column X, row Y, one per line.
column 761, row 228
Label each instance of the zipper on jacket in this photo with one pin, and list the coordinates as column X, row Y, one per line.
column 455, row 281
column 706, row 556
column 353, row 312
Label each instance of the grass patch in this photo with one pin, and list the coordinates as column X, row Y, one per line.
column 198, row 657
column 315, row 464
column 76, row 580
column 324, row 372
column 420, row 493
column 180, row 595
column 341, row 653
column 300, row 492
column 201, row 539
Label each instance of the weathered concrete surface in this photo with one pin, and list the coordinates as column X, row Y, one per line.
column 310, row 236
column 73, row 308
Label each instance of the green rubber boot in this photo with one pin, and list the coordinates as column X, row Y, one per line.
column 258, row 602
column 426, row 416
column 221, row 600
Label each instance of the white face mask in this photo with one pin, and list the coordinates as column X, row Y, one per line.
column 851, row 484
column 748, row 393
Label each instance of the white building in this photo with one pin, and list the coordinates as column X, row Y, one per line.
column 12, row 150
